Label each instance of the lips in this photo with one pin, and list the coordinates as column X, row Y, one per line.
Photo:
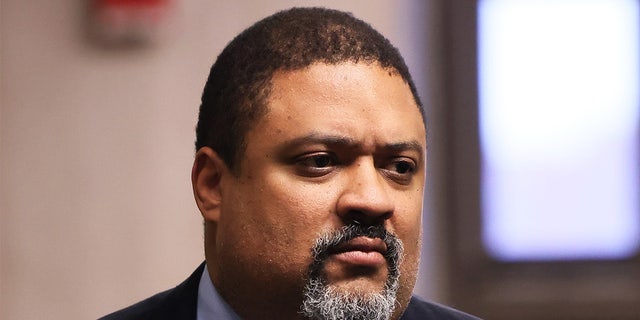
column 361, row 251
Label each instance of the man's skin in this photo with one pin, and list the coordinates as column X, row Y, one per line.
column 339, row 143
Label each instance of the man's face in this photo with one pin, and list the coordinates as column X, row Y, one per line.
column 341, row 145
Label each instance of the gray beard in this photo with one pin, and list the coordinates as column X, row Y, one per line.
column 324, row 302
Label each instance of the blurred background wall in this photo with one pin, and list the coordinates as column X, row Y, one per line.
column 96, row 146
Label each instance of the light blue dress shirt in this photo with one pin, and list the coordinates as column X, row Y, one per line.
column 211, row 306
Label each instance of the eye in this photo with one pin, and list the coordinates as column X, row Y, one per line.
column 401, row 170
column 316, row 164
column 318, row 161
column 403, row 167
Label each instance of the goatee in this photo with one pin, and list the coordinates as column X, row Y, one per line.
column 324, row 302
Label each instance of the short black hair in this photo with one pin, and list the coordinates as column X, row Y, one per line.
column 236, row 92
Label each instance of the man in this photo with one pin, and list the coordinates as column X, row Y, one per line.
column 309, row 173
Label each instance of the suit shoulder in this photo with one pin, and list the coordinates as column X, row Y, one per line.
column 145, row 309
column 424, row 310
column 177, row 303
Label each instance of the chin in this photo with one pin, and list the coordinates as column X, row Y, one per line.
column 361, row 287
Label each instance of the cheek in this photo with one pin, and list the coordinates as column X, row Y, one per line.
column 272, row 224
column 408, row 226
column 407, row 220
column 412, row 240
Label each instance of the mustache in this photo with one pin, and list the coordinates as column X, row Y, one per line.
column 327, row 243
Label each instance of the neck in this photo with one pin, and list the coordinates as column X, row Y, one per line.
column 259, row 303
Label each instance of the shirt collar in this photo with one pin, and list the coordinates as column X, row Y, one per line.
column 211, row 306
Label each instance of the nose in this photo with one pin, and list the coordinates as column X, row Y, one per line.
column 366, row 197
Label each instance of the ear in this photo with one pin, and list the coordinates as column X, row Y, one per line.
column 206, row 174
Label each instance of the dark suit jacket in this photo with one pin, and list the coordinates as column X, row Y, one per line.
column 180, row 303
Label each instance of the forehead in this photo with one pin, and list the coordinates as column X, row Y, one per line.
column 361, row 101
column 345, row 95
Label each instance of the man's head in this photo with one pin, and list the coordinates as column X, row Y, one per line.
column 240, row 80
column 310, row 170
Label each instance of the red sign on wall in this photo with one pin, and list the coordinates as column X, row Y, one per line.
column 122, row 22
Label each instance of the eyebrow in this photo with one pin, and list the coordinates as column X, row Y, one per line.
column 402, row 146
column 339, row 141
column 316, row 138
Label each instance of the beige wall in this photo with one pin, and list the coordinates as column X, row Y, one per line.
column 96, row 148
